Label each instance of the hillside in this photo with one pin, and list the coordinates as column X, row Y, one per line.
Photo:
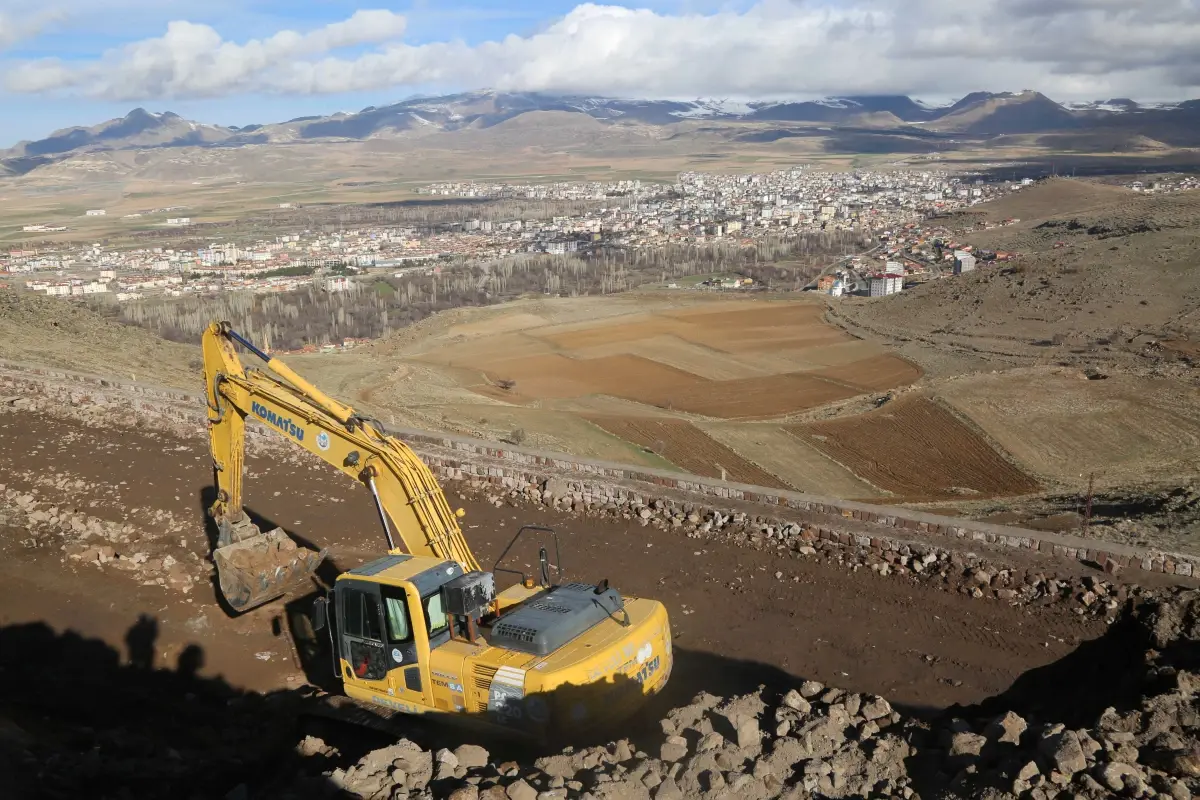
column 1103, row 272
column 1049, row 197
column 1026, row 112
column 52, row 332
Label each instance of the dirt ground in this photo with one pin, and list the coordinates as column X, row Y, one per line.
column 918, row 450
column 685, row 444
column 735, row 624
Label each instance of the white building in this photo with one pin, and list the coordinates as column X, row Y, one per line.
column 337, row 283
column 963, row 262
column 885, row 284
column 95, row 212
column 179, row 220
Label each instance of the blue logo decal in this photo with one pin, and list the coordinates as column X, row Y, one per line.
column 323, row 440
column 284, row 424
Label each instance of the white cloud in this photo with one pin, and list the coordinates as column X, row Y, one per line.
column 192, row 60
column 18, row 27
column 1070, row 49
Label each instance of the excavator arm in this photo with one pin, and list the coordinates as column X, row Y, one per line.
column 416, row 517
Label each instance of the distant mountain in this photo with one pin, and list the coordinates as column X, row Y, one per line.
column 1117, row 105
column 974, row 98
column 996, row 114
column 900, row 106
column 138, row 128
column 979, row 114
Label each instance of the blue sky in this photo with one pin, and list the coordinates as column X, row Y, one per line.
column 70, row 62
column 90, row 29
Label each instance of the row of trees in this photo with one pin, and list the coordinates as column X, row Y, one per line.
column 421, row 214
column 373, row 307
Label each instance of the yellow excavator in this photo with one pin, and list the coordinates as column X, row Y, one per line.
column 421, row 630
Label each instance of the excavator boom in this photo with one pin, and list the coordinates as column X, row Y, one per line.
column 255, row 567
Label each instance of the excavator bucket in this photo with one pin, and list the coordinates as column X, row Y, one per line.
column 260, row 568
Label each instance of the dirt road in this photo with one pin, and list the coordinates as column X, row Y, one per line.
column 736, row 624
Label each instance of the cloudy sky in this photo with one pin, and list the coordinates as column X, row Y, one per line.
column 66, row 62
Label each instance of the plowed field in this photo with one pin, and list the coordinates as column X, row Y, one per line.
column 746, row 398
column 917, row 450
column 729, row 360
column 686, row 446
column 694, row 358
column 875, row 374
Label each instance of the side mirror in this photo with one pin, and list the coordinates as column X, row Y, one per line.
column 320, row 613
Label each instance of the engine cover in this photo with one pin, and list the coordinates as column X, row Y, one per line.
column 544, row 624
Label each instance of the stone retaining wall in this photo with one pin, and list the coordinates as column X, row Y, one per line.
column 462, row 458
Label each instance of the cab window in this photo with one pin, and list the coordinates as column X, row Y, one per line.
column 437, row 619
column 361, row 618
column 395, row 603
column 362, row 629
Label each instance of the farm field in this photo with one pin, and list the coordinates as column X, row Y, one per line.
column 918, row 451
column 726, row 360
column 638, row 378
column 682, row 443
column 1124, row 429
column 765, row 388
column 795, row 462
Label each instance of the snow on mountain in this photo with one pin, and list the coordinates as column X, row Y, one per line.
column 706, row 109
column 1114, row 106
column 838, row 102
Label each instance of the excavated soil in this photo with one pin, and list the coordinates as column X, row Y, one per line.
column 171, row 697
column 736, row 623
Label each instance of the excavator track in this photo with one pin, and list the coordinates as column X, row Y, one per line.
column 347, row 710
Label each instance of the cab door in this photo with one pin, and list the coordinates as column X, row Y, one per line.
column 363, row 654
column 407, row 645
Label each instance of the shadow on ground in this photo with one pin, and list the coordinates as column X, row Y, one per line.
column 1076, row 689
column 80, row 716
column 77, row 717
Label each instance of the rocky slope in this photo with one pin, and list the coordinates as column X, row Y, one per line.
column 801, row 741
